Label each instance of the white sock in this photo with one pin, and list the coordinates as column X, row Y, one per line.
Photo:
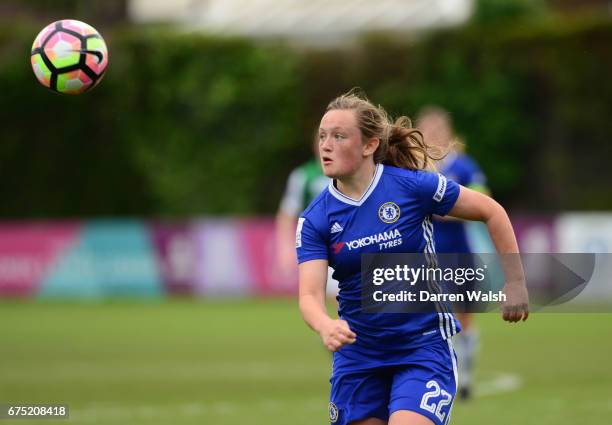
column 466, row 346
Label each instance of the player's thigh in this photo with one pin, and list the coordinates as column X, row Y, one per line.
column 407, row 417
column 426, row 386
column 369, row 421
column 360, row 396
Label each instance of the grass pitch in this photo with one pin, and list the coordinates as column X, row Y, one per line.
column 255, row 362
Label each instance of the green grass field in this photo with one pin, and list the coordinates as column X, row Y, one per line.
column 255, row 362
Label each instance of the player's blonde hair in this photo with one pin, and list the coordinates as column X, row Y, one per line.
column 401, row 145
column 433, row 111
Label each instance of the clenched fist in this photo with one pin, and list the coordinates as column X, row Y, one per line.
column 336, row 333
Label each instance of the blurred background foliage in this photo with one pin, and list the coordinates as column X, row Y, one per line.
column 187, row 124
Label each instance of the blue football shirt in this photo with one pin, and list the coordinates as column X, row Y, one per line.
column 451, row 236
column 393, row 216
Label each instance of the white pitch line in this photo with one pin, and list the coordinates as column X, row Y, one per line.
column 502, row 382
column 98, row 411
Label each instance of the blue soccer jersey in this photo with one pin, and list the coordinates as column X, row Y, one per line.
column 393, row 216
column 451, row 236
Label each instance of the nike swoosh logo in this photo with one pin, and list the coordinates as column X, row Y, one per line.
column 96, row 53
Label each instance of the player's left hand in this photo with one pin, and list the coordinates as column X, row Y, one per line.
column 516, row 306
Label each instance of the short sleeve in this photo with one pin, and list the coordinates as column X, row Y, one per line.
column 308, row 242
column 473, row 176
column 438, row 194
column 292, row 201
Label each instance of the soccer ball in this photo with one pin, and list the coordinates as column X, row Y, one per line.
column 69, row 56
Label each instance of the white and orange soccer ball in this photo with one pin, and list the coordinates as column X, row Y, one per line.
column 69, row 56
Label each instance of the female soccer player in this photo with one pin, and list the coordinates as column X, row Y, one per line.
column 388, row 368
column 456, row 236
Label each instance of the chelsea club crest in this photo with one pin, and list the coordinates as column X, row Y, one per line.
column 389, row 212
column 333, row 413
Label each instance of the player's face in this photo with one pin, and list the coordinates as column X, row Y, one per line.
column 340, row 145
column 435, row 131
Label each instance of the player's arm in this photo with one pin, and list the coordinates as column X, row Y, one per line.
column 473, row 205
column 334, row 333
column 286, row 219
column 474, row 180
column 475, row 187
column 285, row 241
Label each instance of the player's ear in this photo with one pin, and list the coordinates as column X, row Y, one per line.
column 370, row 146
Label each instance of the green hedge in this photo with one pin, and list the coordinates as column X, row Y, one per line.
column 180, row 125
column 531, row 101
column 188, row 124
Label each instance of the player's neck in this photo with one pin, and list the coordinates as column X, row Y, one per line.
column 355, row 186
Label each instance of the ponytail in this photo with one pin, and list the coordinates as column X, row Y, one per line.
column 405, row 147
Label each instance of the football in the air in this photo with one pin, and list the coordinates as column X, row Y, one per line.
column 69, row 56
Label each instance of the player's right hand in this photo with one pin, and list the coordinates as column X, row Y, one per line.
column 336, row 334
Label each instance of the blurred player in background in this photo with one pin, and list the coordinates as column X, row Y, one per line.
column 457, row 236
column 303, row 186
column 397, row 369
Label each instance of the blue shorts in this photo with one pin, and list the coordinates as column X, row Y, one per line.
column 425, row 383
